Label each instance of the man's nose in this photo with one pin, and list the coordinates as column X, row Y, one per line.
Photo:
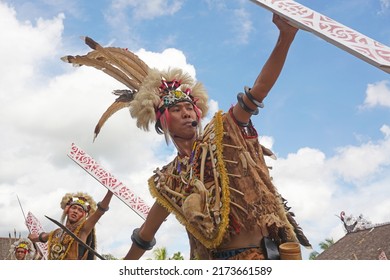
column 186, row 113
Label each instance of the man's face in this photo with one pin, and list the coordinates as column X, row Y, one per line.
column 181, row 117
column 76, row 212
column 20, row 253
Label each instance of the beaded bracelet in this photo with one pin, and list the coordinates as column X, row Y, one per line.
column 101, row 208
column 145, row 245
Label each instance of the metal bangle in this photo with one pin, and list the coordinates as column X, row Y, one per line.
column 251, row 98
column 40, row 237
column 244, row 106
column 145, row 245
column 101, row 208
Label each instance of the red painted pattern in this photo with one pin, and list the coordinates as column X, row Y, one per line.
column 35, row 226
column 109, row 181
column 338, row 34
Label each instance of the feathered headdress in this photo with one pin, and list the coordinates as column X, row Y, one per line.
column 149, row 92
column 80, row 198
column 25, row 244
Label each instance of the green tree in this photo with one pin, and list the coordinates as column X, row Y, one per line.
column 109, row 257
column 162, row 254
column 313, row 255
column 177, row 256
column 324, row 245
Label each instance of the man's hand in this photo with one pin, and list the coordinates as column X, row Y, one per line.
column 284, row 25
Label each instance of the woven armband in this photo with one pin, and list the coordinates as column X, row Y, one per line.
column 251, row 98
column 244, row 106
column 145, row 245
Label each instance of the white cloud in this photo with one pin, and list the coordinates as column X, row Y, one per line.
column 357, row 163
column 125, row 15
column 317, row 188
column 26, row 52
column 143, row 9
column 385, row 5
column 42, row 113
column 44, row 108
column 220, row 5
column 242, row 26
column 168, row 58
column 267, row 141
column 385, row 129
column 377, row 94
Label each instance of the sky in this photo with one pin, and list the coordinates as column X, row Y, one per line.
column 327, row 119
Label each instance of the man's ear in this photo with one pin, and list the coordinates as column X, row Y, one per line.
column 66, row 210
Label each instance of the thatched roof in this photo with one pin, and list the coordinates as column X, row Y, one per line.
column 5, row 245
column 364, row 244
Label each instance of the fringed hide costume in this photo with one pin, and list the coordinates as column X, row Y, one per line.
column 61, row 245
column 224, row 187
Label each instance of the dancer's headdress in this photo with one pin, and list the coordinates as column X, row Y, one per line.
column 149, row 92
column 25, row 244
column 82, row 199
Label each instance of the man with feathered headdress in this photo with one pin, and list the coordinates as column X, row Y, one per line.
column 22, row 249
column 218, row 186
column 80, row 215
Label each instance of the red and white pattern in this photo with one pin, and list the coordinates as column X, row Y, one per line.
column 35, row 226
column 330, row 30
column 109, row 181
column 382, row 256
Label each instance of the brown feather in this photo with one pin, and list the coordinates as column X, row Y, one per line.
column 103, row 66
column 142, row 67
column 297, row 229
column 123, row 101
column 91, row 43
column 131, row 61
column 119, row 63
column 111, row 56
column 268, row 152
column 130, row 68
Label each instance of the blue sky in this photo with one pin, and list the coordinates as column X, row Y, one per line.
column 327, row 119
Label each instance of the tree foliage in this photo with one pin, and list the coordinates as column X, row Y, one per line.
column 162, row 254
column 324, row 245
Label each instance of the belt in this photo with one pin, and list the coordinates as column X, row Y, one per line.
column 223, row 255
